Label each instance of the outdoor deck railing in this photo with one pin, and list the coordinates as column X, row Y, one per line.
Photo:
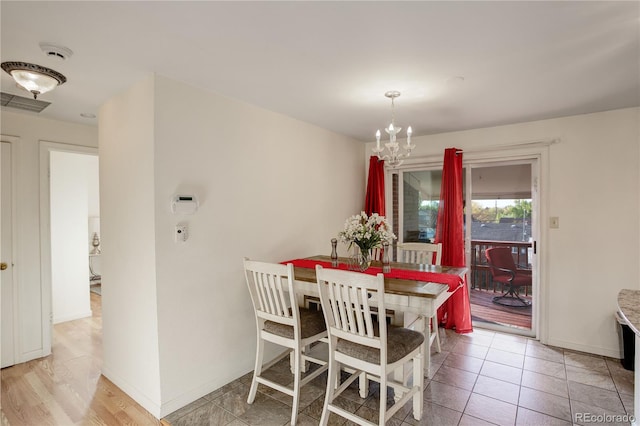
column 480, row 273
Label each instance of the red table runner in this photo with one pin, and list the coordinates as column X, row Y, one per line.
column 453, row 281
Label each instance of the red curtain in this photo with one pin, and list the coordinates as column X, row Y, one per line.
column 374, row 199
column 456, row 311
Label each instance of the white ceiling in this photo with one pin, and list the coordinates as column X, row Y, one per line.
column 329, row 63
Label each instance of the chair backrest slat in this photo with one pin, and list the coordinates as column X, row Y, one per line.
column 350, row 307
column 424, row 253
column 339, row 303
column 269, row 287
column 361, row 313
column 278, row 295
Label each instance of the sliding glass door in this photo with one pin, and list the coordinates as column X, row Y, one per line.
column 500, row 205
column 500, row 210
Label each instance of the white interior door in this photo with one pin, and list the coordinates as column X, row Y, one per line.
column 6, row 257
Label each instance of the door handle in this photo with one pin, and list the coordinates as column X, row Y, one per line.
column 3, row 266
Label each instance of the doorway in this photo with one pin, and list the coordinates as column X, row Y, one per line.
column 68, row 202
column 501, row 207
column 73, row 189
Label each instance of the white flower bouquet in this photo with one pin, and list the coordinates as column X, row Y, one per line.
column 367, row 232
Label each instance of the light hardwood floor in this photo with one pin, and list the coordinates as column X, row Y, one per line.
column 66, row 387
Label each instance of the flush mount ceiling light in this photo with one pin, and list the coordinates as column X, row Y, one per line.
column 34, row 78
column 393, row 157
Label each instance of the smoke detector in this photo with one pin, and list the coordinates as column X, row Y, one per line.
column 55, row 51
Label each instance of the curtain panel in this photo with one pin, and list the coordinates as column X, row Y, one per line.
column 374, row 198
column 456, row 311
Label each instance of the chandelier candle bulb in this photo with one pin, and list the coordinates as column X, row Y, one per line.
column 378, row 140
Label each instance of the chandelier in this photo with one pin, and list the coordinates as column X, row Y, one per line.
column 392, row 156
column 34, row 78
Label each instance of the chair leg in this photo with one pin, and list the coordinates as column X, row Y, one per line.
column 418, row 380
column 424, row 326
column 382, row 417
column 426, row 348
column 332, row 383
column 434, row 329
column 296, row 386
column 511, row 293
column 257, row 371
column 363, row 385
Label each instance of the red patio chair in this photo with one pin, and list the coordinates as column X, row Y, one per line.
column 504, row 271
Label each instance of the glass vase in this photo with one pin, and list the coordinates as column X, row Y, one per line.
column 360, row 260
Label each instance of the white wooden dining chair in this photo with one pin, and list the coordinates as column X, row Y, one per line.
column 428, row 254
column 376, row 253
column 279, row 320
column 361, row 345
column 424, row 253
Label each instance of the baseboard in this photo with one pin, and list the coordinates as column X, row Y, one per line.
column 79, row 315
column 608, row 352
column 191, row 396
column 31, row 355
column 167, row 408
column 133, row 392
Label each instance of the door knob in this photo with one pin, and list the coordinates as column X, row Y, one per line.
column 3, row 266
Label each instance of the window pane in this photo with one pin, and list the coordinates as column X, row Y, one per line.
column 421, row 197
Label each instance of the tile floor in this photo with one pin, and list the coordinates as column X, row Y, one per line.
column 481, row 378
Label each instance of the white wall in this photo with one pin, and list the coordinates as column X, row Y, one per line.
column 128, row 259
column 594, row 188
column 269, row 187
column 69, row 195
column 30, row 129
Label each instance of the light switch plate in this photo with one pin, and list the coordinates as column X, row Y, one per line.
column 554, row 222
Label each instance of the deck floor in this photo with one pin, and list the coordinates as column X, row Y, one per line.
column 483, row 309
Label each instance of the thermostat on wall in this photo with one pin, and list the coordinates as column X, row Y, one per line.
column 184, row 204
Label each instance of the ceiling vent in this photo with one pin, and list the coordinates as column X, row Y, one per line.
column 25, row 104
column 56, row 51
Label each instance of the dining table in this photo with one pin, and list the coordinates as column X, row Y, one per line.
column 414, row 290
